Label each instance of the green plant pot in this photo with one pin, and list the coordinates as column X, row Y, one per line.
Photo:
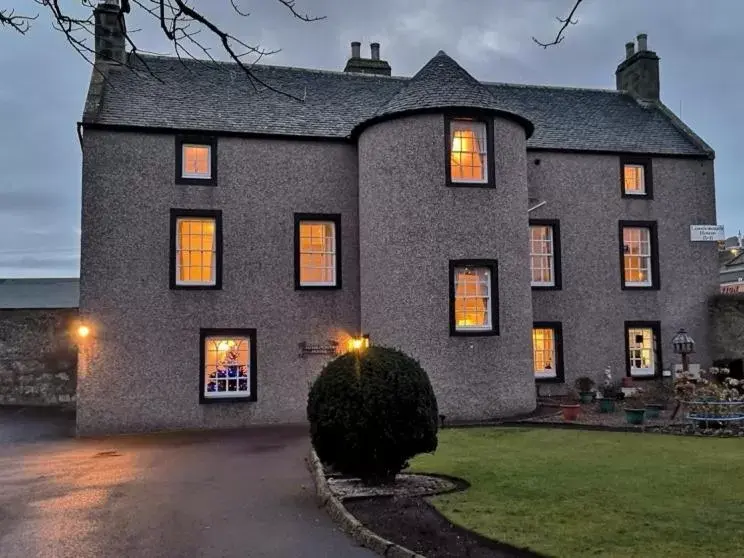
column 586, row 396
column 635, row 416
column 653, row 410
column 606, row 405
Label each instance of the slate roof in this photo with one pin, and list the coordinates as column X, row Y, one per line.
column 216, row 96
column 40, row 293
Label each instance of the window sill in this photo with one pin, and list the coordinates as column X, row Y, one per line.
column 177, row 287
column 473, row 333
column 317, row 287
column 549, row 380
column 211, row 400
column 456, row 184
column 194, row 181
column 645, row 196
column 632, row 287
column 546, row 287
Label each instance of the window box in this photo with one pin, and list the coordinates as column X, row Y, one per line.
column 196, row 160
column 474, row 304
column 545, row 254
column 227, row 369
column 639, row 255
column 195, row 249
column 547, row 352
column 643, row 349
column 636, row 177
column 317, row 251
column 469, row 151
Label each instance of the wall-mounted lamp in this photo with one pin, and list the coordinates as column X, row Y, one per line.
column 82, row 331
column 358, row 343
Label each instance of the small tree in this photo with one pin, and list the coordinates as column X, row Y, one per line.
column 370, row 413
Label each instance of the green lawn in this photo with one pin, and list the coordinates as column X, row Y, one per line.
column 568, row 493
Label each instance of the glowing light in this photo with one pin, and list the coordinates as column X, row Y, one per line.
column 223, row 346
column 358, row 343
column 83, row 331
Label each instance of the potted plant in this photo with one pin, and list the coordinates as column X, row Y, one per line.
column 635, row 409
column 571, row 409
column 585, row 386
column 627, row 382
column 610, row 394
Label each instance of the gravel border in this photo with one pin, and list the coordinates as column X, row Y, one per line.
column 347, row 522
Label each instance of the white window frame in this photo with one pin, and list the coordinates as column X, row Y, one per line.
column 189, row 283
column 489, row 297
column 647, row 256
column 249, row 368
column 550, row 255
column 477, row 128
column 642, row 191
column 185, row 173
column 333, row 252
column 636, row 352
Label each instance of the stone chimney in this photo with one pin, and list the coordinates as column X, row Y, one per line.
column 110, row 31
column 371, row 65
column 638, row 74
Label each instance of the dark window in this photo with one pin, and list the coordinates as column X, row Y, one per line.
column 639, row 255
column 545, row 254
column 469, row 150
column 473, row 297
column 636, row 177
column 195, row 249
column 317, row 250
column 227, row 370
column 643, row 349
column 196, row 160
column 547, row 352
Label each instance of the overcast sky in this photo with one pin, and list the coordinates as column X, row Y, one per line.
column 43, row 83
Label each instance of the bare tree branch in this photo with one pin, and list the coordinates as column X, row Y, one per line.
column 20, row 23
column 290, row 4
column 566, row 22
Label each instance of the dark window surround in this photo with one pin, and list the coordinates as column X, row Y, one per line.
column 211, row 141
column 493, row 265
column 336, row 219
column 475, row 116
column 557, row 328
column 654, row 237
column 557, row 275
column 215, row 214
column 655, row 326
column 648, row 176
column 250, row 333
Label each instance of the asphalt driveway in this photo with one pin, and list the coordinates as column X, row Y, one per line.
column 230, row 494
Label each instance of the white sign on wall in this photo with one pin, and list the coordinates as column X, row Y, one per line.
column 706, row 233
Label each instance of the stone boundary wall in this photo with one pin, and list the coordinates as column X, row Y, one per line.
column 38, row 359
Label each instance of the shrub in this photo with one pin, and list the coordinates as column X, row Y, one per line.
column 370, row 413
column 584, row 384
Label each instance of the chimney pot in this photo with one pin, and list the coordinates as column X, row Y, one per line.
column 375, row 49
column 642, row 42
column 356, row 49
column 629, row 50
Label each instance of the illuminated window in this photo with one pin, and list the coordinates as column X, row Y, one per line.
column 472, row 290
column 547, row 357
column 634, row 180
column 196, row 161
column 196, row 244
column 317, row 249
column 228, row 368
column 642, row 346
column 468, row 151
column 542, row 263
column 638, row 254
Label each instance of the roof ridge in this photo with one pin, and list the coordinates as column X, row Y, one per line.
column 558, row 87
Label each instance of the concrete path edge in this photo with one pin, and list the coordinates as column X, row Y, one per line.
column 346, row 521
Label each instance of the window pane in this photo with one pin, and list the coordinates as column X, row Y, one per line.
column 541, row 255
column 196, row 161
column 317, row 253
column 543, row 352
column 227, row 367
column 472, row 298
column 637, row 256
column 641, row 353
column 468, row 149
column 195, row 251
column 634, row 179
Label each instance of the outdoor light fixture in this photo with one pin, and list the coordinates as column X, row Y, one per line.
column 683, row 345
column 83, row 331
column 358, row 343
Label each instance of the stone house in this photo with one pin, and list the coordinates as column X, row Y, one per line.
column 236, row 233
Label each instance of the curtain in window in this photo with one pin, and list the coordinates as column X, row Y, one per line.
column 468, row 148
column 472, row 293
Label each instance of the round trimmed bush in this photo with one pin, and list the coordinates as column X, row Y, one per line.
column 370, row 413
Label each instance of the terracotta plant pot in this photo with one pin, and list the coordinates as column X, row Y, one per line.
column 627, row 382
column 606, row 405
column 653, row 410
column 635, row 416
column 571, row 411
column 586, row 396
